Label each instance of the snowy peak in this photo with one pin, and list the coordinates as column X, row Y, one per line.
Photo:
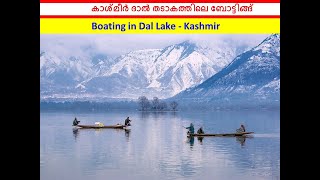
column 187, row 48
column 253, row 74
column 158, row 72
column 61, row 73
column 270, row 45
column 149, row 72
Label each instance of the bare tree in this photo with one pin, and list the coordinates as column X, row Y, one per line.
column 143, row 102
column 155, row 103
column 163, row 105
column 174, row 105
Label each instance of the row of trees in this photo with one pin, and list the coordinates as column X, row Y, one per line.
column 156, row 104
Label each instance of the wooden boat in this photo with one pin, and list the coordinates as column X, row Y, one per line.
column 101, row 127
column 222, row 135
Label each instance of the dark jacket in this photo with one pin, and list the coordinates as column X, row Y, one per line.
column 241, row 129
column 75, row 122
column 127, row 122
column 200, row 131
column 191, row 129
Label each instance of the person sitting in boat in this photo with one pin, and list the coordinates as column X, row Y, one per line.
column 127, row 122
column 75, row 122
column 241, row 129
column 191, row 129
column 200, row 131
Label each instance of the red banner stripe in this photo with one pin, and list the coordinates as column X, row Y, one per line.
column 159, row 1
column 161, row 16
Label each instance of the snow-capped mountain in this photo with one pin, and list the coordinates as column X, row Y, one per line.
column 160, row 72
column 252, row 75
column 60, row 74
column 150, row 72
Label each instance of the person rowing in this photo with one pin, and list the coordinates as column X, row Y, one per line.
column 200, row 131
column 75, row 121
column 241, row 129
column 191, row 129
column 127, row 122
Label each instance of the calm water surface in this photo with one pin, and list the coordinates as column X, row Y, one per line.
column 156, row 147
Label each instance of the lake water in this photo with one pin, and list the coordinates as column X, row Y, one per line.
column 157, row 147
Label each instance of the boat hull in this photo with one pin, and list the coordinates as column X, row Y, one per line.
column 101, row 127
column 221, row 135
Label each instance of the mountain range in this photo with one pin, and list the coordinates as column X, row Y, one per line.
column 253, row 76
column 150, row 72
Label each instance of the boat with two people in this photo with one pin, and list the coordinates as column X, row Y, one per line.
column 99, row 125
column 200, row 133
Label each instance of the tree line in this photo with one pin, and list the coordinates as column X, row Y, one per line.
column 142, row 104
column 155, row 104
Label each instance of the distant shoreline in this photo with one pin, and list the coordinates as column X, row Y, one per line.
column 133, row 106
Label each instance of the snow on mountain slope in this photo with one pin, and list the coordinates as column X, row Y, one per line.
column 255, row 74
column 60, row 74
column 160, row 72
column 150, row 72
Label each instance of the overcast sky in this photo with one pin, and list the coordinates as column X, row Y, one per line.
column 119, row 44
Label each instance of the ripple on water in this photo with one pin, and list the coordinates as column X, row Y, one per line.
column 267, row 135
column 157, row 148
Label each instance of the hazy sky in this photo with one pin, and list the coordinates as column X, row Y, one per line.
column 119, row 44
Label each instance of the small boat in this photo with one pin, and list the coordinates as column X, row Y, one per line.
column 120, row 126
column 222, row 135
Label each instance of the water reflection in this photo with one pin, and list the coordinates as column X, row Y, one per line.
column 200, row 140
column 191, row 141
column 161, row 149
column 75, row 132
column 157, row 114
column 127, row 134
column 173, row 113
column 144, row 115
column 241, row 140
